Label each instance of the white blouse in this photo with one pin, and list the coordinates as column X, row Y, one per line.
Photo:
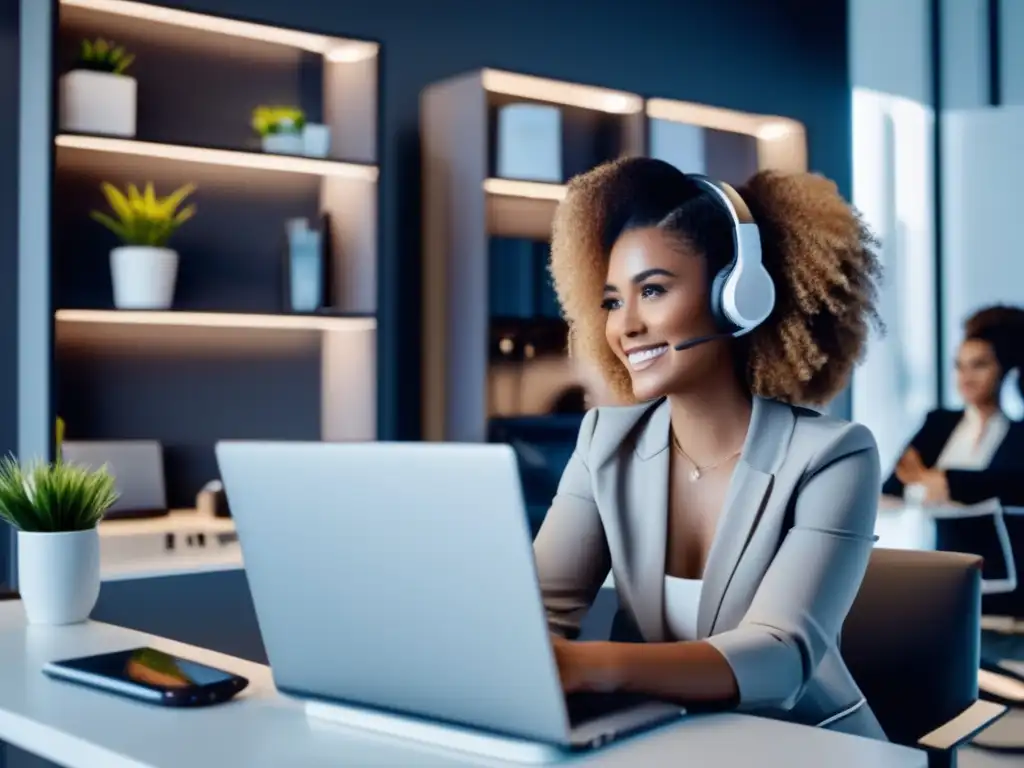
column 682, row 600
column 974, row 441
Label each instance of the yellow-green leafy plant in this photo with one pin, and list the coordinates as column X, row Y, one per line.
column 273, row 120
column 142, row 218
column 103, row 56
column 54, row 498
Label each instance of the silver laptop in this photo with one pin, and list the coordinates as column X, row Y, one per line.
column 400, row 577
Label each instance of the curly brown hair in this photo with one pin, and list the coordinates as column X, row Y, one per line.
column 819, row 252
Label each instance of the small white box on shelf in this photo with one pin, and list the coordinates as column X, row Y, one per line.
column 316, row 140
column 530, row 142
column 98, row 102
column 680, row 144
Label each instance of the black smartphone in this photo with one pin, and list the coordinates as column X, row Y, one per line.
column 150, row 675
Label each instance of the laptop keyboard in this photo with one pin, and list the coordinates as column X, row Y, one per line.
column 584, row 707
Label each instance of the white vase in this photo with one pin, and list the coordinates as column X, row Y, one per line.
column 284, row 143
column 143, row 276
column 59, row 575
column 98, row 102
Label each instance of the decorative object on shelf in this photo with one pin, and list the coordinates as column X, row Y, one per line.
column 316, row 140
column 55, row 508
column 530, row 142
column 305, row 268
column 212, row 501
column 144, row 270
column 280, row 129
column 97, row 96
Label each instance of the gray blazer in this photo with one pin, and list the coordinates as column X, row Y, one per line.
column 787, row 559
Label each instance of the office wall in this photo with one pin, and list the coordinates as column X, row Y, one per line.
column 8, row 246
column 983, row 257
column 786, row 57
column 893, row 185
column 982, row 74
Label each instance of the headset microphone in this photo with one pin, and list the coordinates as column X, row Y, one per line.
column 691, row 343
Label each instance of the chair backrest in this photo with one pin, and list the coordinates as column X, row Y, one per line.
column 912, row 638
column 977, row 537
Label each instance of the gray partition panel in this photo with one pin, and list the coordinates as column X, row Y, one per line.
column 35, row 167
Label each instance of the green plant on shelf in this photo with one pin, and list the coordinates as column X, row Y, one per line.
column 103, row 56
column 142, row 218
column 54, row 497
column 268, row 121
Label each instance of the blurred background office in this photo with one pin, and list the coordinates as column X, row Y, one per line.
column 974, row 453
column 914, row 107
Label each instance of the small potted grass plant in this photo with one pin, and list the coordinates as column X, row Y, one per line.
column 55, row 508
column 143, row 269
column 97, row 95
column 280, row 129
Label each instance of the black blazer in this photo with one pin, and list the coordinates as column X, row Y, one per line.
column 1004, row 478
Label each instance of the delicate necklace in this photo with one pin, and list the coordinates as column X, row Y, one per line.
column 698, row 471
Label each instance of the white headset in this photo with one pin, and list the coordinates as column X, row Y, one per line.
column 742, row 293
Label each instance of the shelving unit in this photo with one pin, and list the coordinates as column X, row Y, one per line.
column 518, row 365
column 229, row 360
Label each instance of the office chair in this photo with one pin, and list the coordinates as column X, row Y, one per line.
column 993, row 540
column 912, row 643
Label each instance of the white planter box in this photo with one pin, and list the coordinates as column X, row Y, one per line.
column 59, row 575
column 284, row 143
column 530, row 142
column 144, row 277
column 98, row 102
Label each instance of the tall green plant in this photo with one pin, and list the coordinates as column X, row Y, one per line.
column 102, row 56
column 54, row 498
column 142, row 218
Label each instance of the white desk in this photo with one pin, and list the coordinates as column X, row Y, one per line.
column 79, row 728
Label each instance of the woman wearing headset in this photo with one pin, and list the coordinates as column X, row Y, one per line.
column 738, row 525
column 976, row 453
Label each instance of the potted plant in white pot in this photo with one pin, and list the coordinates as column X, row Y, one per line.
column 98, row 96
column 280, row 129
column 143, row 269
column 55, row 509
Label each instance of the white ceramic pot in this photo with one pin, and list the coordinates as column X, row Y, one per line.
column 143, row 276
column 284, row 143
column 98, row 102
column 59, row 575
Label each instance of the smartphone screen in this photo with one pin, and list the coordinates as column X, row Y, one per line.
column 149, row 667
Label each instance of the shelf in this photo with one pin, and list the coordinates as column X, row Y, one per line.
column 181, row 522
column 333, row 48
column 228, row 157
column 561, row 92
column 521, row 208
column 781, row 142
column 217, row 320
column 535, row 190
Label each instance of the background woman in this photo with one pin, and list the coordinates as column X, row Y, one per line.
column 738, row 524
column 975, row 453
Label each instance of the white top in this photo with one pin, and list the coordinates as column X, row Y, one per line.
column 682, row 599
column 81, row 728
column 974, row 441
